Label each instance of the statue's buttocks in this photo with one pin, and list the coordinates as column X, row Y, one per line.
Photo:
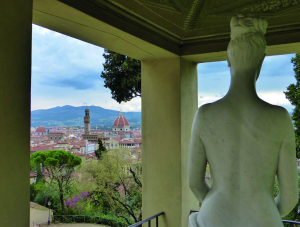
column 242, row 146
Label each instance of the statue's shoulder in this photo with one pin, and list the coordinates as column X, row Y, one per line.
column 202, row 110
column 280, row 116
column 278, row 111
column 283, row 115
column 211, row 108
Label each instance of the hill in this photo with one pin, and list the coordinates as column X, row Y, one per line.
column 73, row 116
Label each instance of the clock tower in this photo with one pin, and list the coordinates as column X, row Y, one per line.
column 87, row 121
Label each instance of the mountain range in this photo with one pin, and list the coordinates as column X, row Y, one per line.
column 73, row 116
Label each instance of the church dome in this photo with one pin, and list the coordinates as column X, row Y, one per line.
column 120, row 121
column 41, row 129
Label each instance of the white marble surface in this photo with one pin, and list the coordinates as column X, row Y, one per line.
column 246, row 141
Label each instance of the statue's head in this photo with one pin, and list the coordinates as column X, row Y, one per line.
column 247, row 47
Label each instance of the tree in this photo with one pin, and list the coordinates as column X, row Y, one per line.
column 99, row 152
column 60, row 166
column 293, row 215
column 108, row 176
column 33, row 192
column 122, row 75
column 293, row 95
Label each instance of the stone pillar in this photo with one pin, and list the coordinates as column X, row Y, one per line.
column 15, row 82
column 169, row 102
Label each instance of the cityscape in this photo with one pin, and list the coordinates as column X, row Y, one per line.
column 218, row 85
column 81, row 145
column 84, row 140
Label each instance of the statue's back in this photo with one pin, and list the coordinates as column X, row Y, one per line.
column 246, row 142
column 242, row 145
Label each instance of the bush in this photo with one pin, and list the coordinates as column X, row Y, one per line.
column 100, row 218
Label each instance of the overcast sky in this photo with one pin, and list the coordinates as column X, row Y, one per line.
column 66, row 71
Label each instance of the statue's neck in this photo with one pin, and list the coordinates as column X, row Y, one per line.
column 242, row 86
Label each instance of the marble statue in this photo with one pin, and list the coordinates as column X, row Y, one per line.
column 246, row 142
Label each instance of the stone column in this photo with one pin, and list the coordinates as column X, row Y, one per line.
column 15, row 81
column 169, row 102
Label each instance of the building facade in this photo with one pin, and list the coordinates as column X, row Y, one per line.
column 87, row 121
column 121, row 124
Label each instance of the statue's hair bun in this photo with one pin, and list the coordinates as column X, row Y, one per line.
column 242, row 26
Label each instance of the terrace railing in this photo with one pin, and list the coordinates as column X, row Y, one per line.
column 291, row 223
column 148, row 220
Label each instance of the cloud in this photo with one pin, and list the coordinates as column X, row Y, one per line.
column 85, row 81
column 276, row 75
column 272, row 97
column 59, row 60
column 278, row 66
column 66, row 71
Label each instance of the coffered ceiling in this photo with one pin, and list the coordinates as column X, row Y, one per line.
column 192, row 19
column 192, row 25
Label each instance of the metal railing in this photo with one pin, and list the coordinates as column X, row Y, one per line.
column 148, row 220
column 292, row 223
column 86, row 219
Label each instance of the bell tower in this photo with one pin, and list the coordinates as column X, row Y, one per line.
column 87, row 121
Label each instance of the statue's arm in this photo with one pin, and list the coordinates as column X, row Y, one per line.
column 287, row 171
column 197, row 161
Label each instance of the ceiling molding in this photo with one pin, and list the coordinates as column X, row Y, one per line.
column 117, row 17
column 193, row 14
column 203, row 27
column 169, row 5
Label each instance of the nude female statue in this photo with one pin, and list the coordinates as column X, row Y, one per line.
column 246, row 142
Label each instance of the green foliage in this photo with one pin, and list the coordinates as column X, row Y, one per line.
column 105, row 177
column 122, row 75
column 33, row 192
column 293, row 95
column 293, row 215
column 99, row 152
column 104, row 219
column 60, row 166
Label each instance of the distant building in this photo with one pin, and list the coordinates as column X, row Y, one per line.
column 87, row 120
column 40, row 131
column 119, row 137
column 56, row 136
column 121, row 124
column 298, row 164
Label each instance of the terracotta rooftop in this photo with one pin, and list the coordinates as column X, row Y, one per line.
column 118, row 138
column 75, row 147
column 78, row 154
column 136, row 148
column 120, row 121
column 42, row 148
column 56, row 132
column 41, row 129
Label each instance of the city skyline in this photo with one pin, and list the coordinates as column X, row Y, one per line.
column 66, row 71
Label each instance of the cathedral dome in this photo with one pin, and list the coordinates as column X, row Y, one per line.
column 41, row 129
column 120, row 121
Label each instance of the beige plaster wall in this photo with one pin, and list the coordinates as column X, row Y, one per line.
column 32, row 180
column 39, row 216
column 168, row 105
column 15, row 81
